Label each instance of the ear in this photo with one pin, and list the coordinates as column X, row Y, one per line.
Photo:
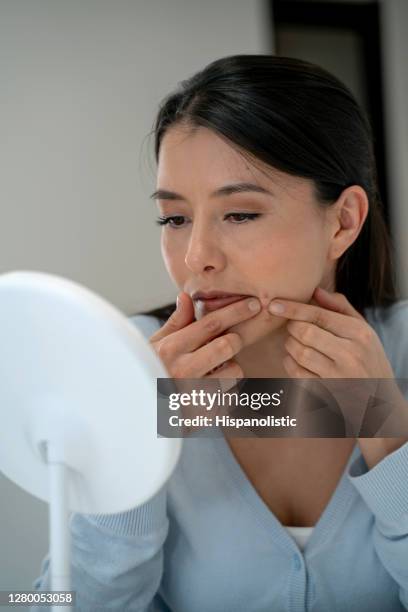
column 347, row 218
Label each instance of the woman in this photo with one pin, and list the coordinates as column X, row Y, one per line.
column 267, row 190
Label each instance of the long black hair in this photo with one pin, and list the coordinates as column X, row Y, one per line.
column 300, row 119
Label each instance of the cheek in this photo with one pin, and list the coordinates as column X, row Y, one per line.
column 292, row 267
column 173, row 259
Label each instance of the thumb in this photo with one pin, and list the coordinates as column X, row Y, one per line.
column 182, row 316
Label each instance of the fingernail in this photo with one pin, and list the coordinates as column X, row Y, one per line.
column 178, row 301
column 276, row 308
column 254, row 305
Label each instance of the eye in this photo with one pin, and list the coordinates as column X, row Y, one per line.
column 166, row 220
column 242, row 218
column 247, row 216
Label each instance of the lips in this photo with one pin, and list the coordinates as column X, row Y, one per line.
column 214, row 303
column 207, row 295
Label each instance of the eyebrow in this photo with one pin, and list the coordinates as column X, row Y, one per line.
column 164, row 194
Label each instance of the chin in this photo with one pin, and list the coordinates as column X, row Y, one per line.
column 258, row 327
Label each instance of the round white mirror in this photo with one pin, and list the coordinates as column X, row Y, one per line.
column 78, row 398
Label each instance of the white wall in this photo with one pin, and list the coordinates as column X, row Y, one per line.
column 81, row 81
column 80, row 86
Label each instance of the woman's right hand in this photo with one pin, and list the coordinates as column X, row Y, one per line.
column 201, row 349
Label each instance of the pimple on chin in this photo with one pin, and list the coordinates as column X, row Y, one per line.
column 264, row 298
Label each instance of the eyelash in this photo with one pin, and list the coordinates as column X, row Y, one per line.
column 165, row 220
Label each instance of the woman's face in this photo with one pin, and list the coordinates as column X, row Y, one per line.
column 282, row 252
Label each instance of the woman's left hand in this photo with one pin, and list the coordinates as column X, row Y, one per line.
column 332, row 340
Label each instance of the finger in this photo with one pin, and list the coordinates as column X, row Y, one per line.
column 335, row 301
column 295, row 370
column 228, row 374
column 214, row 324
column 320, row 339
column 309, row 358
column 182, row 316
column 228, row 369
column 212, row 355
column 341, row 325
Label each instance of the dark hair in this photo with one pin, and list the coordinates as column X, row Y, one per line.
column 300, row 119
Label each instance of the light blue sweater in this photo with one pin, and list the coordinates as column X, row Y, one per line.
column 208, row 543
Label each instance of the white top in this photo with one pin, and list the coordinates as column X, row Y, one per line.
column 300, row 535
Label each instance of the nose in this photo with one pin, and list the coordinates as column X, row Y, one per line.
column 204, row 252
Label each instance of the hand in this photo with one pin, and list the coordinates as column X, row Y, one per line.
column 193, row 349
column 333, row 340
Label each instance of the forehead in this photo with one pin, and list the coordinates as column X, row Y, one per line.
column 200, row 156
